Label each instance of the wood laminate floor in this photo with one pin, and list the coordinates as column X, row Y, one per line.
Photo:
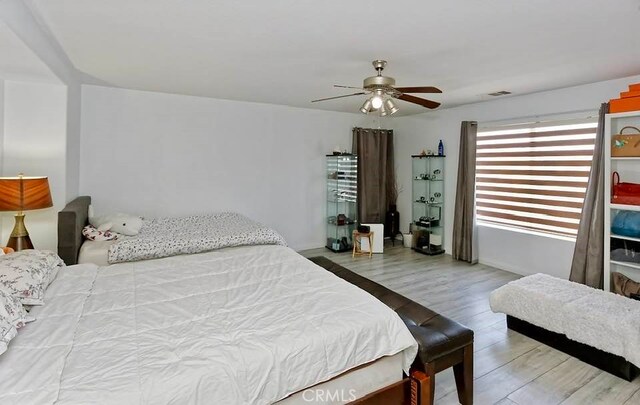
column 509, row 368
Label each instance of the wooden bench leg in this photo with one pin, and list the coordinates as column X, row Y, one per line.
column 463, row 373
column 431, row 372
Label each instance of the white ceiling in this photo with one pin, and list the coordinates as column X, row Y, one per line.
column 292, row 51
column 18, row 62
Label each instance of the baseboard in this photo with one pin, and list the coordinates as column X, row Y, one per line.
column 505, row 267
column 307, row 246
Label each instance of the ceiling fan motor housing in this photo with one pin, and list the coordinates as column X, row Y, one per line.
column 374, row 82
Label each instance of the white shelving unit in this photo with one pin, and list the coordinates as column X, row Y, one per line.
column 629, row 170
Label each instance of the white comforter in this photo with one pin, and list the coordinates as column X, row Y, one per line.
column 245, row 325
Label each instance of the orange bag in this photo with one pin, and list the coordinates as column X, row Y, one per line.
column 624, row 193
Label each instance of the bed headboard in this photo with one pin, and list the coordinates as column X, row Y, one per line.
column 71, row 220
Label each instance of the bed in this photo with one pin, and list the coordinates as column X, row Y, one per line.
column 247, row 324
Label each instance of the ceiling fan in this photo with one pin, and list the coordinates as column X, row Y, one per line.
column 383, row 91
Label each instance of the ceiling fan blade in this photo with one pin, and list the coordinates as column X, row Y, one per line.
column 419, row 89
column 418, row 100
column 347, row 87
column 332, row 98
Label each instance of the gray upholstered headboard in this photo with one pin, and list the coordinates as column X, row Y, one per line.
column 71, row 220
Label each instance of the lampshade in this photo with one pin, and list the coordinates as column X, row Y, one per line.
column 382, row 110
column 390, row 106
column 376, row 101
column 366, row 107
column 23, row 193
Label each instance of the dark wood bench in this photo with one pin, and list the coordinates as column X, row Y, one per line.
column 443, row 342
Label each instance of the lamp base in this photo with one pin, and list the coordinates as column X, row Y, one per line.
column 19, row 239
column 18, row 243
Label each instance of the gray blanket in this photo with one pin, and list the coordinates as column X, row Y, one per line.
column 166, row 237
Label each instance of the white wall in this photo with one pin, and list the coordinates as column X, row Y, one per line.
column 29, row 27
column 42, row 123
column 159, row 154
column 73, row 116
column 34, row 143
column 517, row 252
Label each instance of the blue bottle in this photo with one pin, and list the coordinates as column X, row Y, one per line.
column 440, row 148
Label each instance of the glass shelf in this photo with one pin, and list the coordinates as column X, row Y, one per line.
column 342, row 188
column 613, row 235
column 626, row 264
column 625, row 207
column 416, row 223
column 427, row 238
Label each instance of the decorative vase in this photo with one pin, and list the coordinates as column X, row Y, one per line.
column 392, row 223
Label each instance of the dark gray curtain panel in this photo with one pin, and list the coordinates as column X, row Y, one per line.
column 587, row 266
column 376, row 173
column 464, row 227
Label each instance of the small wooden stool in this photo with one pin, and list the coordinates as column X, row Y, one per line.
column 357, row 243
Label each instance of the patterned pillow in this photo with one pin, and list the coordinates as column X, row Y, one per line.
column 7, row 332
column 28, row 273
column 90, row 232
column 11, row 310
column 12, row 317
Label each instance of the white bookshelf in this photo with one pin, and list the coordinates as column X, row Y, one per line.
column 629, row 169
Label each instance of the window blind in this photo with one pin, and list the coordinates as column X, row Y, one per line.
column 534, row 178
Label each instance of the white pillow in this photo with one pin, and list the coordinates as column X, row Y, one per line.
column 28, row 273
column 90, row 232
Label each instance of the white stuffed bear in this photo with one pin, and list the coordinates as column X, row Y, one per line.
column 124, row 224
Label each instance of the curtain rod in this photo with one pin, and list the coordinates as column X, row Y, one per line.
column 541, row 119
column 372, row 129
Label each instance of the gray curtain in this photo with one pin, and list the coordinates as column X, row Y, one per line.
column 464, row 223
column 374, row 148
column 587, row 266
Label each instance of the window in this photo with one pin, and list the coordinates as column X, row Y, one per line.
column 534, row 177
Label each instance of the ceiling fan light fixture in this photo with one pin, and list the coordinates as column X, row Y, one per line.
column 366, row 107
column 390, row 106
column 376, row 101
column 383, row 111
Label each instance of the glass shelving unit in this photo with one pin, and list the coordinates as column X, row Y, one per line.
column 428, row 203
column 342, row 193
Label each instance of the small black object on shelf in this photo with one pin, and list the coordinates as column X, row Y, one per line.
column 423, row 242
column 339, row 245
column 364, row 228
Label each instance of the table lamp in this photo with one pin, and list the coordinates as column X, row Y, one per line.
column 20, row 194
